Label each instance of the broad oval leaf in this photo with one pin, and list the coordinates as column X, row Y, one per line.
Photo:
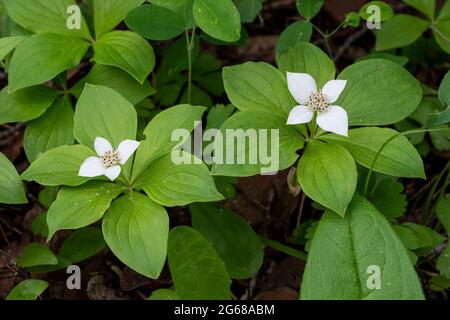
column 116, row 79
column 136, row 230
column 59, row 166
column 425, row 6
column 79, row 207
column 398, row 157
column 51, row 55
column 53, row 129
column 300, row 31
column 219, row 19
column 234, row 240
column 327, row 174
column 26, row 104
column 309, row 8
column 400, row 31
column 46, row 16
column 159, row 132
column 347, row 254
column 386, row 12
column 29, row 289
column 102, row 112
column 305, row 57
column 109, row 13
column 126, row 50
column 197, row 271
column 255, row 142
column 155, row 23
column 82, row 244
column 378, row 92
column 36, row 254
column 171, row 184
column 8, row 44
column 258, row 86
column 11, row 186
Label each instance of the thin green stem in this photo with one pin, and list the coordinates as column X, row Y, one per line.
column 283, row 248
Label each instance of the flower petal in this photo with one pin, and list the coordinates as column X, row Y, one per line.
column 102, row 145
column 333, row 89
column 92, row 167
column 334, row 120
column 126, row 148
column 301, row 85
column 113, row 172
column 300, row 114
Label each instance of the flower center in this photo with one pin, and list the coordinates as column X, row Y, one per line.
column 317, row 102
column 111, row 158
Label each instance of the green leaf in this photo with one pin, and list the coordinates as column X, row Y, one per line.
column 11, row 187
column 109, row 13
column 59, row 166
column 39, row 225
column 50, row 55
column 309, row 8
column 126, row 50
column 388, row 198
column 26, row 104
column 183, row 8
column 171, row 184
column 8, row 44
column 45, row 16
column 29, row 289
column 343, row 250
column 352, row 19
column 136, row 230
column 444, row 90
column 439, row 283
column 79, row 207
column 242, row 150
column 36, row 254
column 441, row 28
column 307, row 58
column 400, row 31
column 116, row 79
column 51, row 130
column 164, row 294
column 443, row 212
column 82, row 244
column 197, row 271
column 398, row 158
column 258, row 86
column 155, row 23
column 407, row 237
column 427, row 7
column 300, row 31
column 443, row 262
column 218, row 19
column 386, row 12
column 401, row 60
column 159, row 134
column 378, row 92
column 249, row 9
column 327, row 174
column 102, row 112
column 234, row 240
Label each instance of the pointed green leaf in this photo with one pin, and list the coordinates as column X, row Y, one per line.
column 197, row 271
column 11, row 186
column 126, row 50
column 29, row 289
column 40, row 58
column 36, row 254
column 82, row 244
column 79, row 207
column 347, row 253
column 136, row 230
column 59, row 166
column 8, row 44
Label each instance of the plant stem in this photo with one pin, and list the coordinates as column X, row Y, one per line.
column 283, row 248
column 189, row 47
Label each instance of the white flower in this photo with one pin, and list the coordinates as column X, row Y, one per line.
column 110, row 160
column 304, row 90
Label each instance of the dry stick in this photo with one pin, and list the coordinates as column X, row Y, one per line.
column 350, row 40
column 300, row 209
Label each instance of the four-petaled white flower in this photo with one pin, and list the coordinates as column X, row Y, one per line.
column 330, row 117
column 110, row 160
